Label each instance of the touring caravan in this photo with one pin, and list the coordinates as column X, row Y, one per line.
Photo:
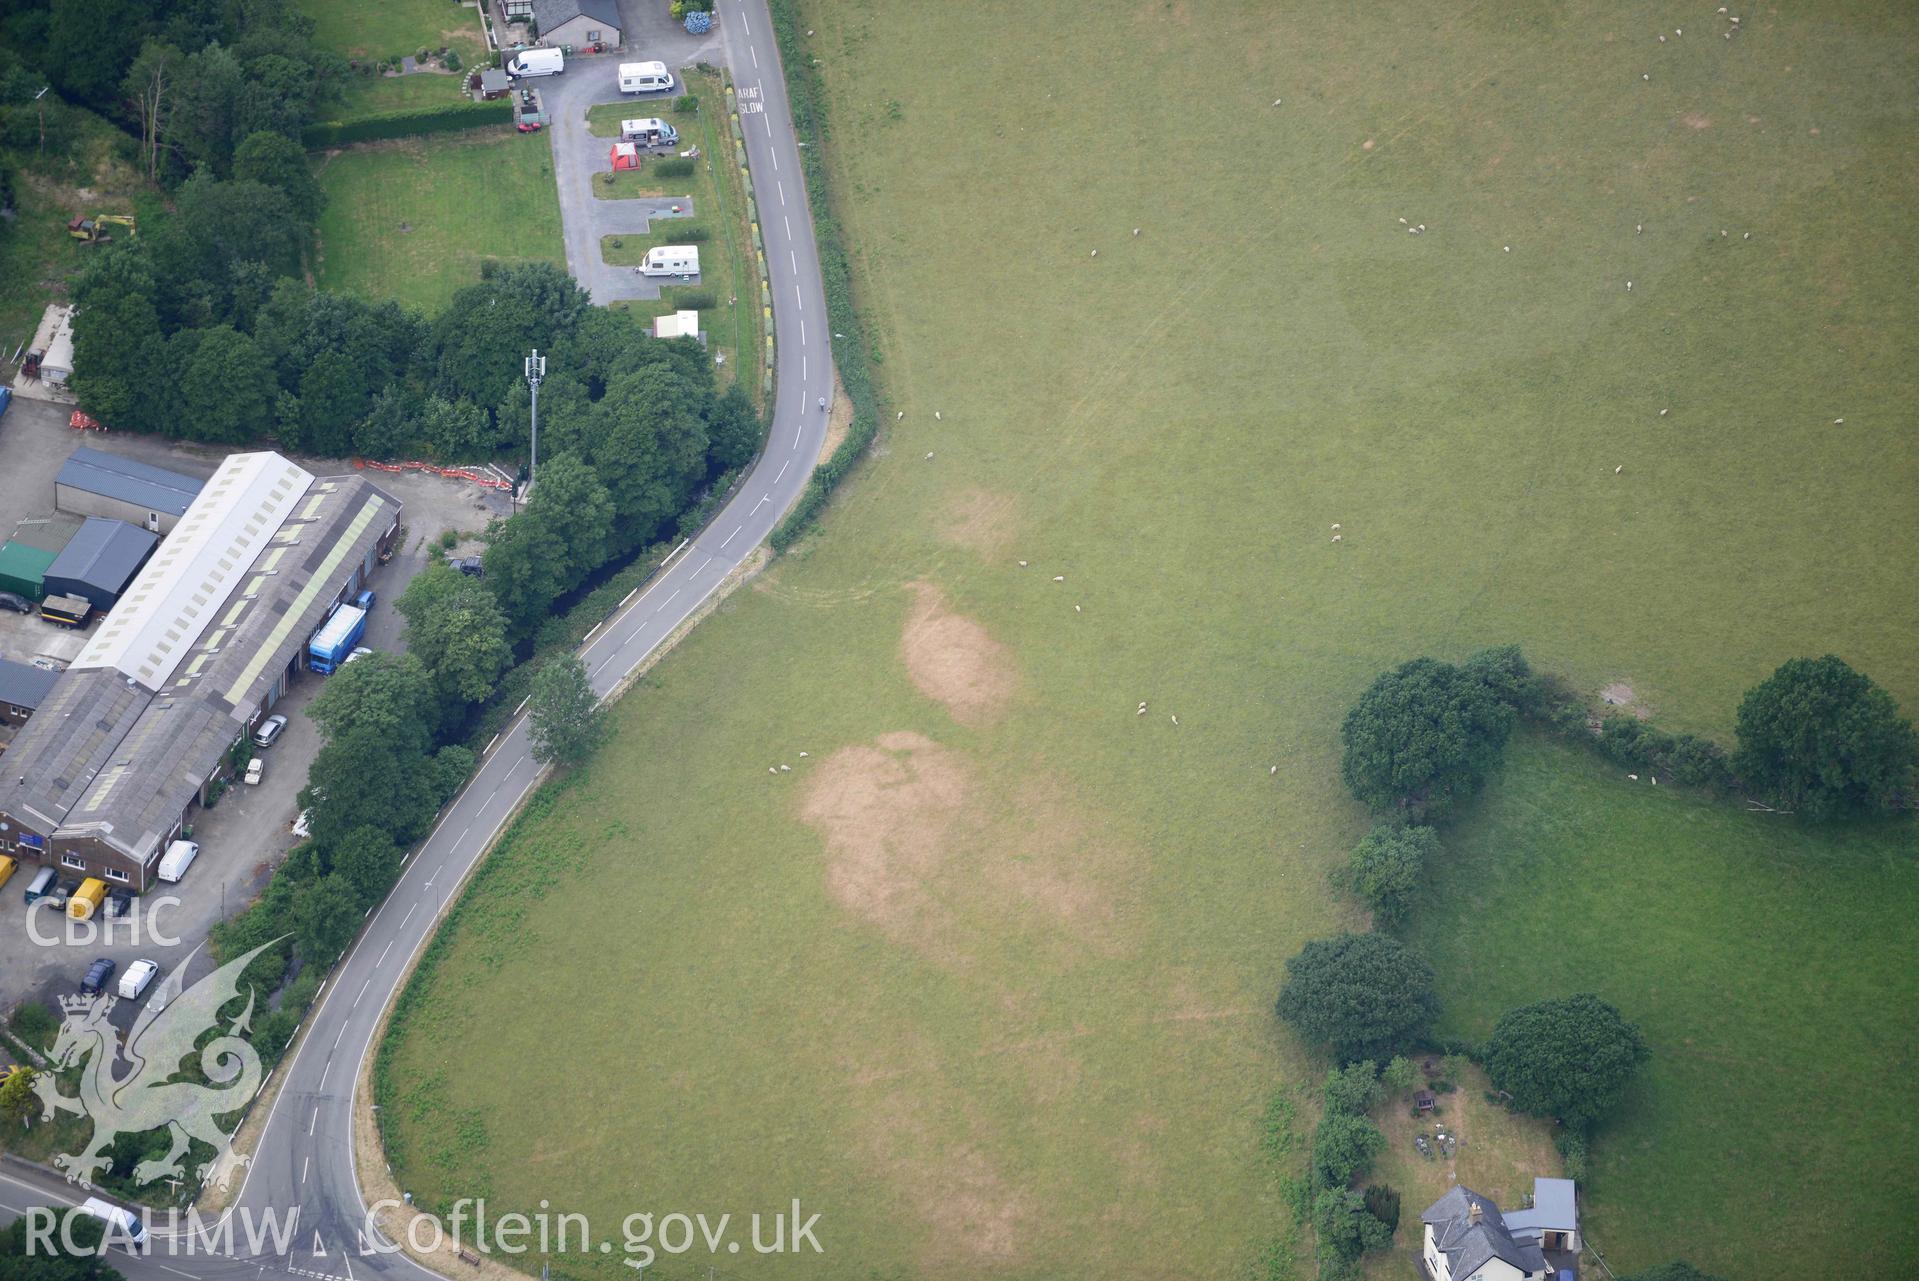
column 536, row 62
column 645, row 77
column 671, row 260
column 651, row 132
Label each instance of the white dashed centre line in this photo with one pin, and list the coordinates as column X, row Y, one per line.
column 782, row 476
column 799, row 301
column 782, row 187
column 729, row 537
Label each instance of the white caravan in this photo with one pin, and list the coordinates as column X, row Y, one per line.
column 671, row 260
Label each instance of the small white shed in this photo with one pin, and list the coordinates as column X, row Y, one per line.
column 680, row 324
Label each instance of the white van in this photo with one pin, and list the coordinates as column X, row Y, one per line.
column 645, row 77
column 124, row 1227
column 536, row 62
column 650, row 132
column 178, row 858
column 671, row 260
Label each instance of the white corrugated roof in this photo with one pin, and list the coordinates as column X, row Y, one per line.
column 193, row 573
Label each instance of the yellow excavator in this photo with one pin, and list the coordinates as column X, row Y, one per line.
column 94, row 230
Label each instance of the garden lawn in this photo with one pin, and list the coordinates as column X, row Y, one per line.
column 986, row 977
column 379, row 95
column 1769, row 966
column 414, row 219
column 392, row 29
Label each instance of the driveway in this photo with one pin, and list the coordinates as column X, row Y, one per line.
column 589, row 80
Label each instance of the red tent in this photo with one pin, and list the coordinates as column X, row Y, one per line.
column 625, row 156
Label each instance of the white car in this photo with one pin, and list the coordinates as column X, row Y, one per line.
column 139, row 976
column 256, row 770
column 359, row 651
column 300, row 825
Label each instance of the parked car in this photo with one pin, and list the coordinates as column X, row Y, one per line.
column 63, row 890
column 471, row 566
column 119, row 903
column 358, row 652
column 6, row 399
column 302, row 826
column 270, row 730
column 256, row 769
column 98, row 973
column 18, row 604
column 365, row 600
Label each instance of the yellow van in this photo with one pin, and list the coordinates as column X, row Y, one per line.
column 87, row 899
column 6, row 868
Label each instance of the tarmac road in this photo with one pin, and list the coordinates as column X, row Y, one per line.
column 304, row 1158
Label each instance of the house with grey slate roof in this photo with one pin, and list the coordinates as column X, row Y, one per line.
column 1467, row 1238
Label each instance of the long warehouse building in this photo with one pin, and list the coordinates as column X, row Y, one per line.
column 200, row 647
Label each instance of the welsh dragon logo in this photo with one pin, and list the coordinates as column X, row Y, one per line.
column 147, row 1097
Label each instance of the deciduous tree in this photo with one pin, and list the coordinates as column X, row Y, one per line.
column 1569, row 1058
column 1386, row 866
column 567, row 722
column 1823, row 740
column 455, row 627
column 1361, row 995
column 1423, row 738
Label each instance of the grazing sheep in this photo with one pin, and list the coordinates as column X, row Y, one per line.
column 1022, row 564
column 1633, row 777
column 1336, row 537
column 1175, row 719
column 1096, row 253
column 1076, row 609
column 929, row 455
column 1059, row 578
column 936, row 417
column 901, row 414
column 1838, row 422
column 1618, row 469
column 1335, row 524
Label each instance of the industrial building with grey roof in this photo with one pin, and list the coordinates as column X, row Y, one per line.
column 200, row 646
column 93, row 482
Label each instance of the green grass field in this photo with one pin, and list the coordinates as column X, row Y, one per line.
column 1770, row 968
column 414, row 219
column 392, row 29
column 986, row 978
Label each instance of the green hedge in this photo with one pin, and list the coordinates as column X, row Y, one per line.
column 403, row 124
column 806, row 94
column 672, row 167
column 691, row 299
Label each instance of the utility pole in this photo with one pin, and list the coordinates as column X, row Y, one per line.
column 535, row 371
